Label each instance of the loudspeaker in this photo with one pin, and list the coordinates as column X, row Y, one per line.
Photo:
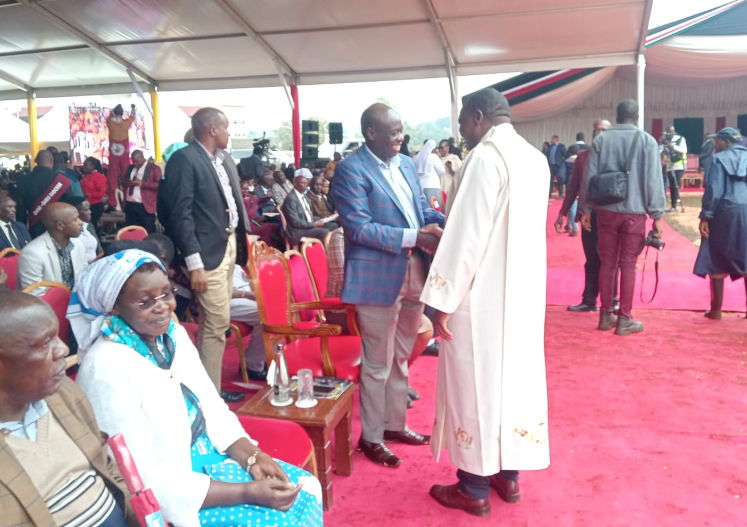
column 309, row 126
column 310, row 139
column 335, row 133
column 310, row 152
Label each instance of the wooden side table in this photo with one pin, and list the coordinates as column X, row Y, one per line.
column 320, row 422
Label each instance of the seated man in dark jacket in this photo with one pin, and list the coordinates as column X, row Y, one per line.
column 54, row 467
column 297, row 209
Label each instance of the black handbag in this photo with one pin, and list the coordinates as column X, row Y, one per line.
column 609, row 188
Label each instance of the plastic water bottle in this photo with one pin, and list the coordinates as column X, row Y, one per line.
column 283, row 379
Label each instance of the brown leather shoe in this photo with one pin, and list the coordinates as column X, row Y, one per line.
column 628, row 326
column 507, row 489
column 451, row 496
column 407, row 437
column 379, row 453
column 607, row 321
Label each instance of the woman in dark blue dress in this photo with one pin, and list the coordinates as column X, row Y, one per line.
column 723, row 219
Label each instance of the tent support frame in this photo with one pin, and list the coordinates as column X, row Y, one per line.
column 641, row 90
column 93, row 44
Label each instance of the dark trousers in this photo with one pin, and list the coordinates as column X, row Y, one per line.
column 97, row 210
column 135, row 214
column 590, row 242
column 675, row 182
column 620, row 238
column 557, row 175
column 478, row 487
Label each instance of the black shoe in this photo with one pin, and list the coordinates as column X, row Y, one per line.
column 407, row 437
column 582, row 308
column 232, row 397
column 259, row 376
column 415, row 396
column 432, row 349
column 379, row 453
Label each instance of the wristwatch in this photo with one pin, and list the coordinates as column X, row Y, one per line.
column 251, row 460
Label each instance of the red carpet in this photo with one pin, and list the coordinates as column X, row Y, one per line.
column 646, row 430
column 679, row 288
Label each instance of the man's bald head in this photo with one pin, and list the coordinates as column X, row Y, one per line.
column 17, row 311
column 58, row 213
column 601, row 125
column 205, row 119
column 382, row 128
column 492, row 103
column 44, row 159
column 627, row 112
column 32, row 356
column 376, row 114
column 480, row 112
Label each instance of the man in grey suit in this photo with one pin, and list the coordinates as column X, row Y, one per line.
column 201, row 207
column 297, row 210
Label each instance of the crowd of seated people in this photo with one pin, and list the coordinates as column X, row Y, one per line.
column 140, row 376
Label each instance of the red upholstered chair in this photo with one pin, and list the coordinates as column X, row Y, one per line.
column 57, row 295
column 315, row 258
column 283, row 440
column 302, row 290
column 322, row 350
column 9, row 264
column 132, row 232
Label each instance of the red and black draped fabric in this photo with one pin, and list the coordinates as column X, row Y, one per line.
column 707, row 23
column 530, row 85
column 527, row 86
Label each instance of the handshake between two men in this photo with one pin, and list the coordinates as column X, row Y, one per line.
column 428, row 238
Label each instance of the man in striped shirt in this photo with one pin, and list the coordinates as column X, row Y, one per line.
column 54, row 467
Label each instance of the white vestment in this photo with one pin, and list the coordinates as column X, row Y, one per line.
column 490, row 273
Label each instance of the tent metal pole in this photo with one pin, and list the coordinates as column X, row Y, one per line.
column 33, row 138
column 454, row 85
column 156, row 124
column 641, row 90
column 281, row 75
column 296, row 126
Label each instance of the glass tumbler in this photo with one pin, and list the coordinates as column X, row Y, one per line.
column 305, row 389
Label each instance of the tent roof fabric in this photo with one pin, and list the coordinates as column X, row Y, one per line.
column 57, row 48
column 698, row 49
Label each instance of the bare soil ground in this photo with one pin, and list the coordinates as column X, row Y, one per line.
column 686, row 223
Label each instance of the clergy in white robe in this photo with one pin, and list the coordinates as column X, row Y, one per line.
column 488, row 285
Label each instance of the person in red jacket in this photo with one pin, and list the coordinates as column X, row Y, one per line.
column 93, row 185
column 140, row 182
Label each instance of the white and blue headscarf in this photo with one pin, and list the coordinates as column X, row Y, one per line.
column 96, row 290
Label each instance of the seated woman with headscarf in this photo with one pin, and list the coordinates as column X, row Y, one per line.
column 145, row 380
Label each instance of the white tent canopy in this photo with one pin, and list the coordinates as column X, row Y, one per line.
column 55, row 48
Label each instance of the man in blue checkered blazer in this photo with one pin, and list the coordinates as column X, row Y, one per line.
column 388, row 226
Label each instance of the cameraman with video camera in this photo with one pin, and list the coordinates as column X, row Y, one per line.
column 622, row 185
column 675, row 147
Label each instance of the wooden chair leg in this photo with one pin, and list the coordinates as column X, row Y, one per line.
column 240, row 348
column 310, row 464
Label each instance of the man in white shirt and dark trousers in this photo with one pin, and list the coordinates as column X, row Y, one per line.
column 202, row 211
